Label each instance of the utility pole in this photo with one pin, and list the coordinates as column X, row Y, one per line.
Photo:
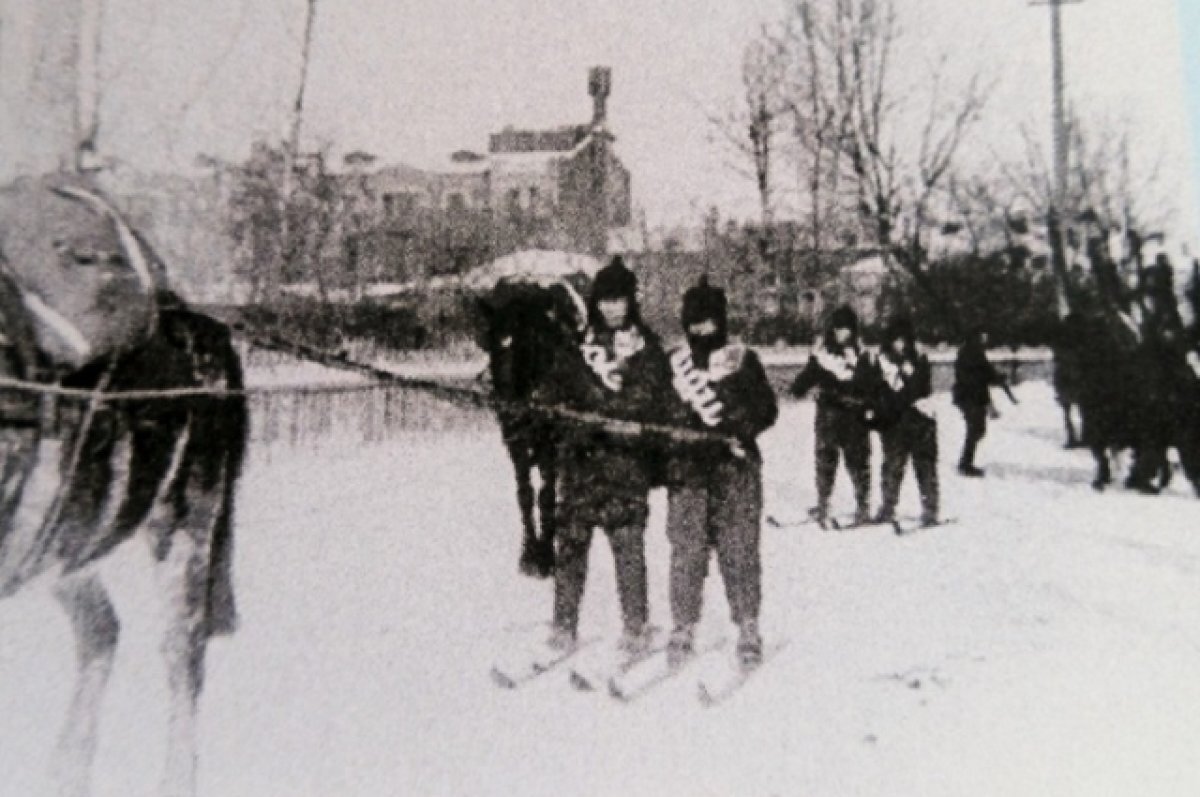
column 1061, row 144
column 87, row 109
column 291, row 148
column 1061, row 159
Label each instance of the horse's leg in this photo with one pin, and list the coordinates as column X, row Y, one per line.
column 523, row 468
column 1072, row 437
column 96, row 630
column 185, row 580
column 547, row 507
column 1103, row 471
column 180, row 526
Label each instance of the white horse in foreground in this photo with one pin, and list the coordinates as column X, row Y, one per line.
column 84, row 311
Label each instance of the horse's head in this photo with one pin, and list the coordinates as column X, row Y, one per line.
column 86, row 280
column 524, row 327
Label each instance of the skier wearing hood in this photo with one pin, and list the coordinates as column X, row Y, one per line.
column 715, row 488
column 606, row 468
column 906, row 424
column 843, row 375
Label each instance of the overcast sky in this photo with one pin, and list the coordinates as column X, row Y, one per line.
column 412, row 80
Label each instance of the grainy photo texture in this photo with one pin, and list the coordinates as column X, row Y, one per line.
column 516, row 397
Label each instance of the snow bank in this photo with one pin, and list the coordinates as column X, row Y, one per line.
column 1046, row 643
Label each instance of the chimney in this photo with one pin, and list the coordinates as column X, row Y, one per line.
column 599, row 85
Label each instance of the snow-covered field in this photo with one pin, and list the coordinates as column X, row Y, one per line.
column 1048, row 643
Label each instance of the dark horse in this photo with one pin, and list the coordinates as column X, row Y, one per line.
column 83, row 469
column 526, row 328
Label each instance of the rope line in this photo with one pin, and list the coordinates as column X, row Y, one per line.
column 382, row 378
column 479, row 398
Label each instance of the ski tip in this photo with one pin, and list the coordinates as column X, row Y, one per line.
column 616, row 692
column 581, row 683
column 773, row 522
column 501, row 680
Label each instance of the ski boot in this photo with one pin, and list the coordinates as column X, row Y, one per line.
column 681, row 646
column 883, row 516
column 749, row 645
column 636, row 642
column 562, row 638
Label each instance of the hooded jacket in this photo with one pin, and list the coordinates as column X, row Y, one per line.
column 905, row 380
column 621, row 375
column 842, row 374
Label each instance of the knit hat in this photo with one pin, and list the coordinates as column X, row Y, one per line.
column 702, row 302
column 614, row 281
column 844, row 318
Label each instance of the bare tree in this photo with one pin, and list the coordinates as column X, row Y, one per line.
column 869, row 154
column 900, row 175
column 1107, row 182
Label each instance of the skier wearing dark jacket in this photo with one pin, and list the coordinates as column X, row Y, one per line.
column 974, row 378
column 715, row 488
column 605, row 468
column 843, row 374
column 905, row 420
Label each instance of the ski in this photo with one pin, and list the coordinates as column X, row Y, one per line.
column 719, row 684
column 775, row 521
column 512, row 672
column 591, row 673
column 852, row 525
column 828, row 523
column 640, row 680
column 904, row 528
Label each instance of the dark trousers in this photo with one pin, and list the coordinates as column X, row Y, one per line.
column 574, row 540
column 723, row 512
column 914, row 437
column 975, row 416
column 839, row 432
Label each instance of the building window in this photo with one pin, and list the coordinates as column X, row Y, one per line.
column 455, row 202
column 397, row 205
column 514, row 200
column 533, row 198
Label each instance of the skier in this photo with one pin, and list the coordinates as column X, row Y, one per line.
column 622, row 374
column 974, row 377
column 715, row 488
column 906, row 423
column 842, row 373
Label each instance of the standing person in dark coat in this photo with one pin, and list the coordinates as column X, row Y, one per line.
column 1160, row 362
column 623, row 376
column 974, row 376
column 906, row 423
column 715, row 488
column 843, row 374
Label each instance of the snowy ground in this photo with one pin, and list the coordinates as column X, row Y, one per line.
column 1047, row 643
